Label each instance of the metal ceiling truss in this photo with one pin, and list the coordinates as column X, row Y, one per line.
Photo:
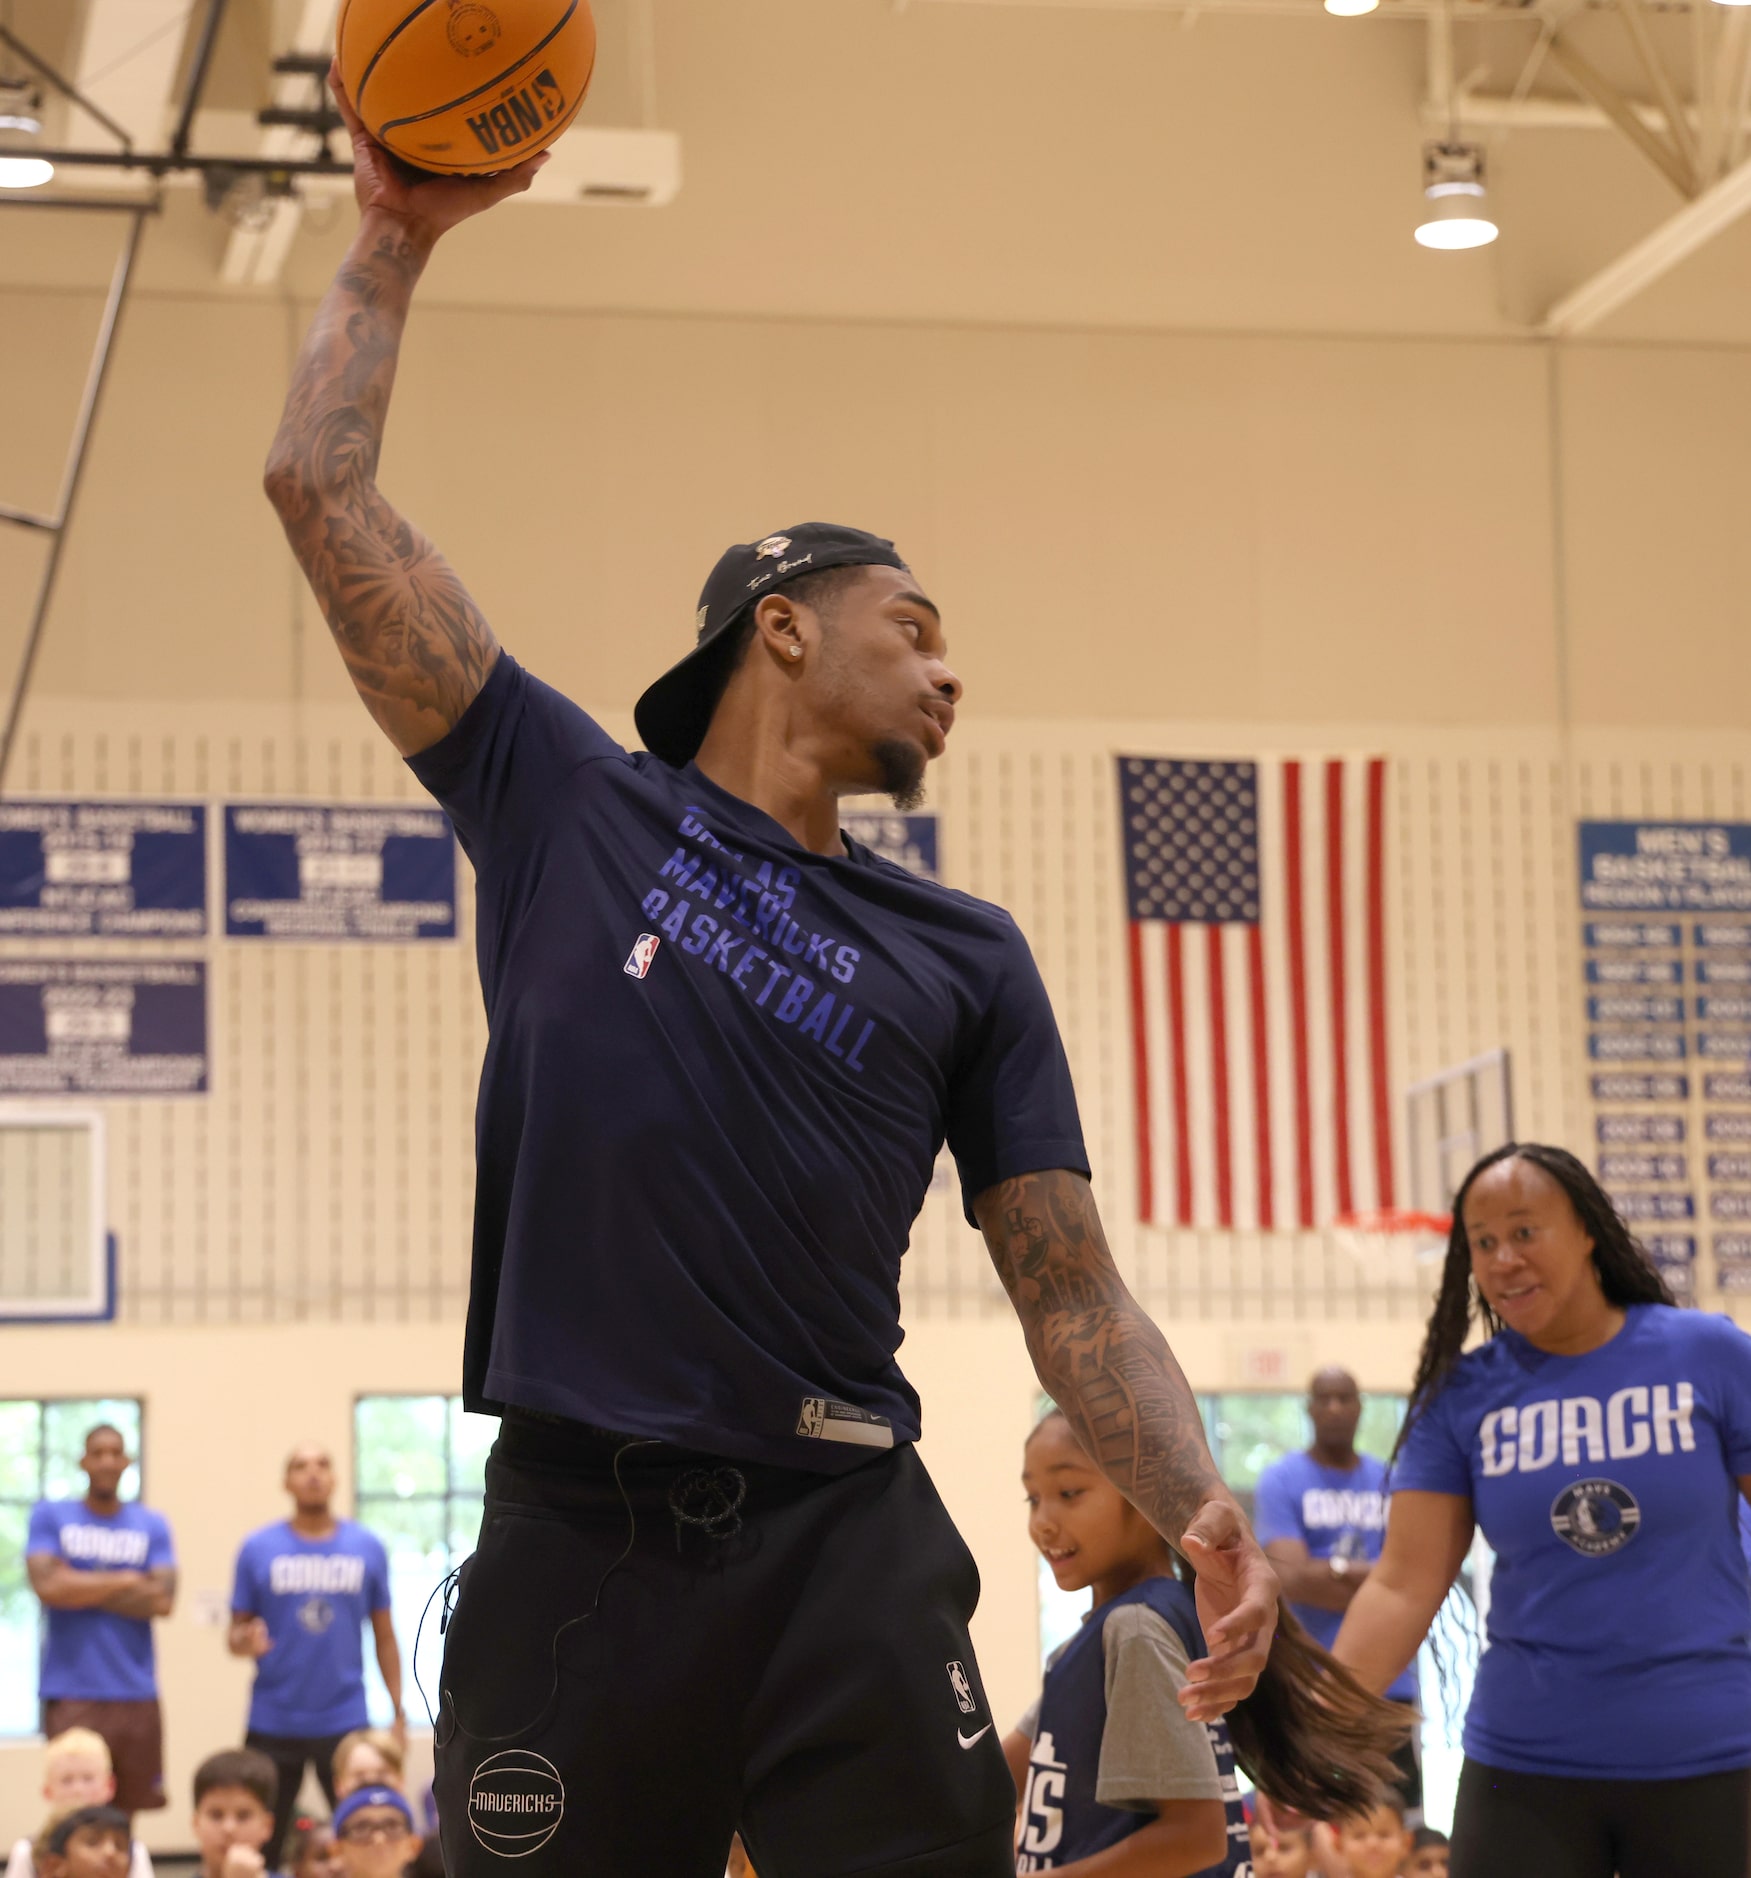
column 219, row 175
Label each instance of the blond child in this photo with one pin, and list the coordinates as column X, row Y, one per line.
column 77, row 1773
column 368, row 1757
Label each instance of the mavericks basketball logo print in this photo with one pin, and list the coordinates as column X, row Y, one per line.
column 515, row 1802
column 1594, row 1517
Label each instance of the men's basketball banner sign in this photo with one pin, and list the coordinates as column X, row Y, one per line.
column 1256, row 898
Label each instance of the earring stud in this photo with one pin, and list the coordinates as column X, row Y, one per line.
column 796, row 652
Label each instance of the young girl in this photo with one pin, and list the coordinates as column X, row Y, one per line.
column 1115, row 1780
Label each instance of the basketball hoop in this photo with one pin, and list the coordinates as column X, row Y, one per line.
column 1393, row 1242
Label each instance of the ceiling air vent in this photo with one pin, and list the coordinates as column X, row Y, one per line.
column 612, row 168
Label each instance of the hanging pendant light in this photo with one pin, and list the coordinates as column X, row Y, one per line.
column 1457, row 215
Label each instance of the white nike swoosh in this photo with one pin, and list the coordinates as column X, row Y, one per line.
column 967, row 1741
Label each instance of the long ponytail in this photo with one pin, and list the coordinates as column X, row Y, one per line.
column 1311, row 1736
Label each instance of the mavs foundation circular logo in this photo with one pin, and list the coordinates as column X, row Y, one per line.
column 515, row 1802
column 1595, row 1517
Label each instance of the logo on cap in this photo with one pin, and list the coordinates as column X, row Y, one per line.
column 771, row 547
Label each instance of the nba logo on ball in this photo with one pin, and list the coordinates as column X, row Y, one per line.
column 515, row 1802
column 638, row 960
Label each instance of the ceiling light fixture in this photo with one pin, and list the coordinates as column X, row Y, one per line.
column 20, row 108
column 17, row 172
column 1353, row 9
column 1458, row 214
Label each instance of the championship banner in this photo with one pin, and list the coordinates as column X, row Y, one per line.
column 1256, row 898
column 103, row 1027
column 325, row 871
column 103, row 870
column 1667, row 946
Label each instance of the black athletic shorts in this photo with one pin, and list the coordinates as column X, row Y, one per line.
column 635, row 1669
column 1509, row 1825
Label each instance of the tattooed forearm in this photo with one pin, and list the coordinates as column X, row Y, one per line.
column 413, row 640
column 1097, row 1354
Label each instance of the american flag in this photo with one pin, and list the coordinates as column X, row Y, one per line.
column 1257, row 904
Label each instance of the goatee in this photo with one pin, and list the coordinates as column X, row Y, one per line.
column 902, row 768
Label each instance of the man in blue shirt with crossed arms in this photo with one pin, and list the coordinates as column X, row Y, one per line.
column 714, row 1586
column 104, row 1569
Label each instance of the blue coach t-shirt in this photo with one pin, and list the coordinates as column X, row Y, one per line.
column 718, row 1074
column 1335, row 1513
column 1620, row 1609
column 316, row 1596
column 98, row 1656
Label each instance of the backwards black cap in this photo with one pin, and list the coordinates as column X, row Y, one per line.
column 673, row 714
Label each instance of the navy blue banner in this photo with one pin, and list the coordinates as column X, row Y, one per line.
column 908, row 840
column 323, row 871
column 1616, row 1166
column 1633, row 971
column 1627, row 1086
column 1663, row 1130
column 1640, row 1206
column 1666, row 867
column 108, row 1027
column 1628, row 933
column 1622, row 1007
column 103, row 870
column 1636, row 1046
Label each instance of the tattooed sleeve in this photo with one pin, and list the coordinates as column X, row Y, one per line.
column 1097, row 1354
column 413, row 640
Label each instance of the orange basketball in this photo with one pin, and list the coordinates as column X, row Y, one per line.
column 465, row 87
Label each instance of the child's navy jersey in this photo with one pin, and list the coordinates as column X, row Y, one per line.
column 93, row 1655
column 1087, row 1789
column 1336, row 1513
column 315, row 1596
column 719, row 1072
column 1619, row 1608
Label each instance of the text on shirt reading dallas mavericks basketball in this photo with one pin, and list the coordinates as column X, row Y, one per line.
column 760, row 904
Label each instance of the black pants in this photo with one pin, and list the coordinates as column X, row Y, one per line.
column 634, row 1670
column 290, row 1754
column 1538, row 1826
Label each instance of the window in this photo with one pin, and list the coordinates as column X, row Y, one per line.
column 420, row 1467
column 40, row 1446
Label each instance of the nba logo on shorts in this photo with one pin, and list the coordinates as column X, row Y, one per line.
column 638, row 960
column 813, row 1417
column 957, row 1679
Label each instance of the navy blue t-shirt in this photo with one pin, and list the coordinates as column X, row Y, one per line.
column 1062, row 1818
column 1620, row 1610
column 718, row 1074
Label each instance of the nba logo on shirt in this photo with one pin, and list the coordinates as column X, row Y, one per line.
column 638, row 960
column 957, row 1681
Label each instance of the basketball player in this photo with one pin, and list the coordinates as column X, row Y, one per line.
column 1600, row 1437
column 714, row 1586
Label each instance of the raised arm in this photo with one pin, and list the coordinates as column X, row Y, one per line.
column 1102, row 1360
column 414, row 642
column 1427, row 1538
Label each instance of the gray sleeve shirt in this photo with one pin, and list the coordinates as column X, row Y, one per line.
column 1151, row 1749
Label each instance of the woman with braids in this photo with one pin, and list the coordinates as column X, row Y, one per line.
column 1115, row 1778
column 1601, row 1439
